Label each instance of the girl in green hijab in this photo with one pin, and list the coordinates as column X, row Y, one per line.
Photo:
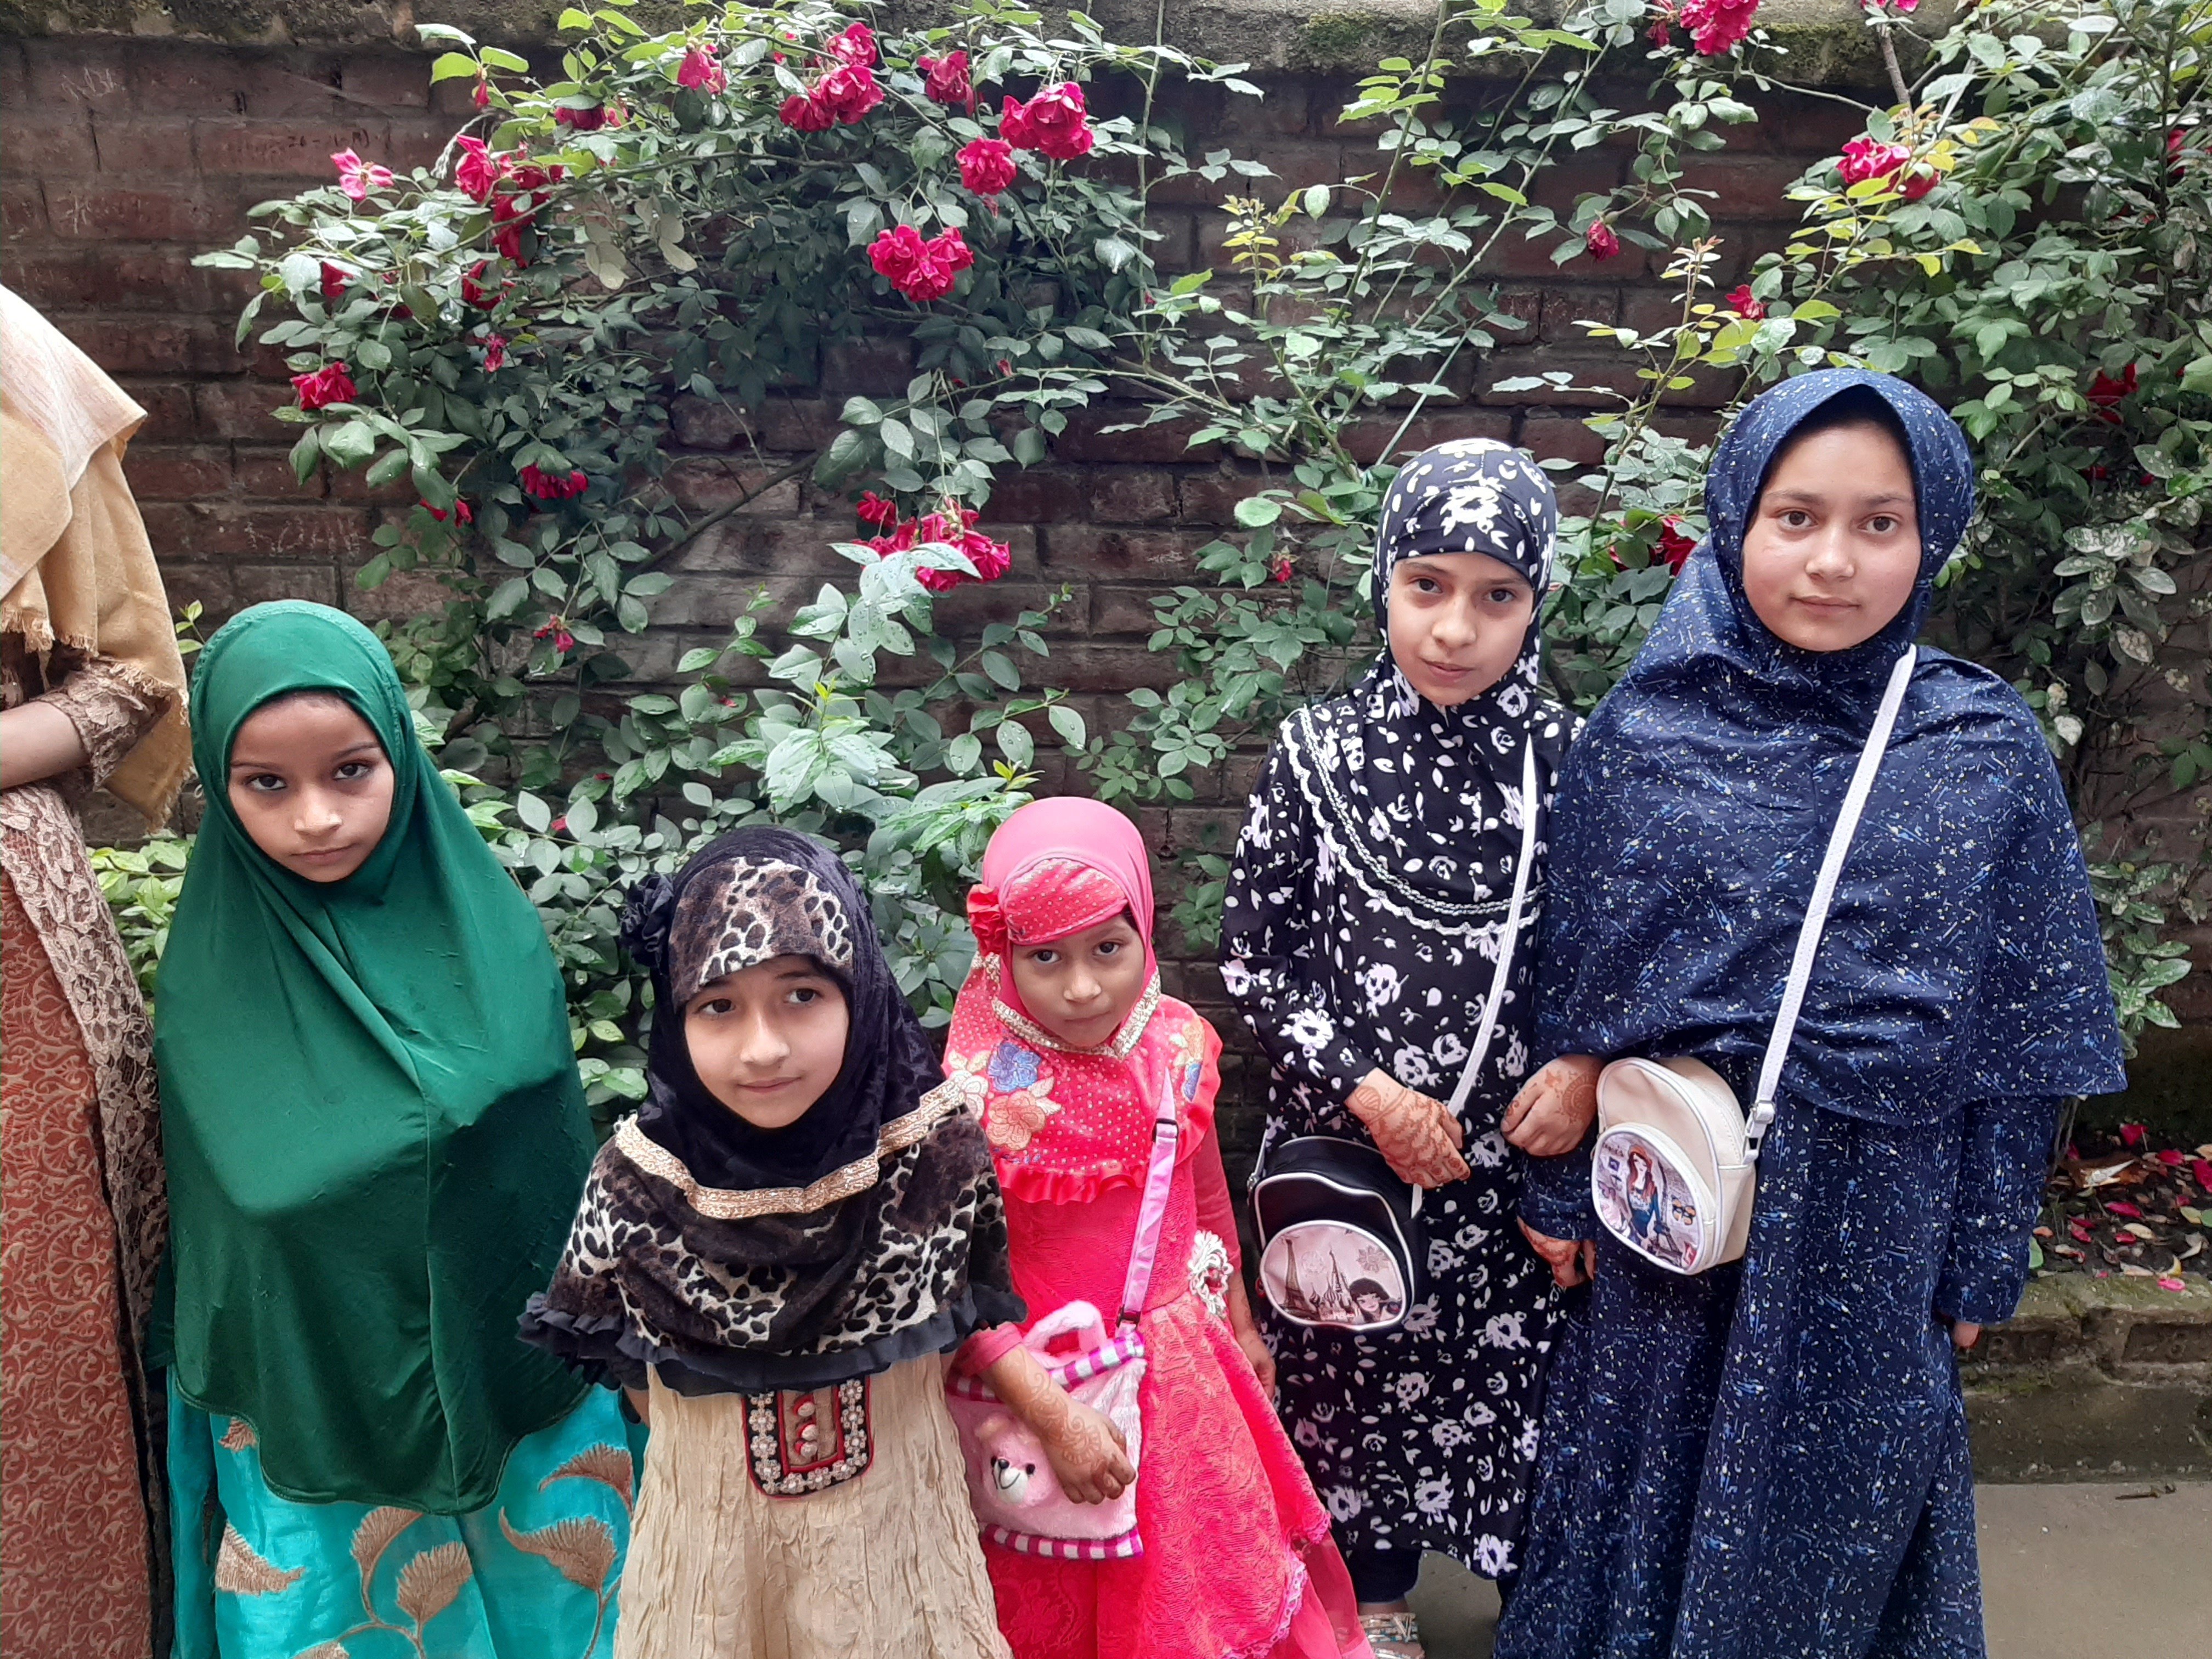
column 375, row 1138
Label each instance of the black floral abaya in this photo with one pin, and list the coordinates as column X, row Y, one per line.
column 1360, row 932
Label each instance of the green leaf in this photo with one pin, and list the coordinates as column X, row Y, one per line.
column 306, row 454
column 1255, row 511
column 454, row 65
column 1068, row 723
column 390, row 467
column 499, row 59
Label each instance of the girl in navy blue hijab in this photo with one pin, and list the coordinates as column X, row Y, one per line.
column 1771, row 1458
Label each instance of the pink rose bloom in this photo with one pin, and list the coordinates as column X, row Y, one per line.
column 1054, row 122
column 1675, row 545
column 1744, row 303
column 1717, row 26
column 581, row 120
column 987, row 166
column 875, row 510
column 848, row 93
column 335, row 278
column 357, row 178
column 494, row 353
column 856, row 45
column 1869, row 158
column 947, row 81
column 699, row 70
column 480, row 171
column 920, row 269
column 803, row 113
column 1600, row 240
column 330, row 384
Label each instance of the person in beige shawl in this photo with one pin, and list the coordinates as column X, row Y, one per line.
column 93, row 691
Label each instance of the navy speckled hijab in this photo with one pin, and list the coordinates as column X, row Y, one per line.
column 1961, row 960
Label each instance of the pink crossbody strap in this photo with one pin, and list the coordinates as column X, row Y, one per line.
column 1159, row 1180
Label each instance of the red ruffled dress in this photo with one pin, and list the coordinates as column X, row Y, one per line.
column 1238, row 1562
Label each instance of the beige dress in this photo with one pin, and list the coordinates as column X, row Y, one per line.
column 885, row 1563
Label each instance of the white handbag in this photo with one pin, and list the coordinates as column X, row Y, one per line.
column 1676, row 1161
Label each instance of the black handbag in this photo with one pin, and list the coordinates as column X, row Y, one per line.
column 1340, row 1238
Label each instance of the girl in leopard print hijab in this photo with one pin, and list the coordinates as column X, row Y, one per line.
column 771, row 1257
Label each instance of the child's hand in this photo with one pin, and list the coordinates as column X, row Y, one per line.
column 1555, row 1108
column 1965, row 1333
column 1247, row 1331
column 1418, row 1137
column 1089, row 1456
column 1572, row 1260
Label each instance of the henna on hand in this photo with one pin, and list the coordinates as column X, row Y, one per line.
column 1418, row 1137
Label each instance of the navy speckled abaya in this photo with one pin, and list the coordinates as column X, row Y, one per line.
column 1770, row 1459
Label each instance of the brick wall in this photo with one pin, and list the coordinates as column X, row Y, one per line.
column 120, row 159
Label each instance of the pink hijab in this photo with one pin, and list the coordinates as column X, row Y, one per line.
column 1065, row 1123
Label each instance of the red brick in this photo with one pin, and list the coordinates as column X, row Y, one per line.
column 299, row 534
column 1086, row 438
column 1166, row 555
column 1367, row 436
column 158, row 473
column 154, row 345
column 701, row 423
column 69, row 74
column 1745, row 186
column 22, row 209
column 72, row 276
column 124, row 213
column 170, row 417
column 793, row 426
column 1132, row 495
column 1549, row 437
column 290, row 149
column 416, row 140
column 143, row 150
column 403, row 593
column 241, row 409
column 1123, row 610
column 701, row 483
column 1567, row 307
column 1212, row 497
column 870, row 368
column 267, row 474
column 388, row 80
column 258, row 584
column 1041, row 494
column 47, row 143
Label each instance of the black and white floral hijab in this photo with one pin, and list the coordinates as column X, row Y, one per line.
column 1430, row 797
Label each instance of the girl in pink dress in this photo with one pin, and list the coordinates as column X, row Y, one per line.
column 1063, row 1041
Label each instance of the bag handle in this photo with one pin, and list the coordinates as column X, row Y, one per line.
column 1498, row 977
column 1824, row 891
column 1159, row 1180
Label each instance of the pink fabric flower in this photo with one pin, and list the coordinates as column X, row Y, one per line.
column 479, row 171
column 801, row 114
column 987, row 166
column 357, row 178
column 856, row 45
column 1600, row 240
column 330, row 384
column 922, row 269
column 1717, row 26
column 1054, row 122
column 946, row 79
column 1746, row 304
column 494, row 353
column 699, row 71
column 848, row 93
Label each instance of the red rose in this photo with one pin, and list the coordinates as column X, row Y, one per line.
column 2105, row 393
column 480, row 171
column 1676, row 545
column 700, row 70
column 987, row 166
column 334, row 282
column 848, row 93
column 1717, row 26
column 1600, row 240
column 328, row 385
column 1746, row 304
column 1869, row 158
column 875, row 510
column 494, row 353
column 1278, row 568
column 483, row 91
column 856, row 45
column 547, row 487
column 1054, row 122
column 473, row 292
column 947, row 81
column 1919, row 182
column 462, row 512
column 992, row 559
column 922, row 269
column 803, row 113
column 580, row 121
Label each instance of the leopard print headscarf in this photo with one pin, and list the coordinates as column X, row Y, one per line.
column 735, row 1258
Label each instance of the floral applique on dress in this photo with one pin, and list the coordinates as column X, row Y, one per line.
column 1022, row 1101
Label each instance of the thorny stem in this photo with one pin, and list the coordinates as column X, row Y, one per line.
column 1882, row 23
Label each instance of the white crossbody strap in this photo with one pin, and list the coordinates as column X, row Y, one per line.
column 1824, row 891
column 1504, row 971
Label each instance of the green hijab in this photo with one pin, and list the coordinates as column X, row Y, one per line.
column 374, row 1130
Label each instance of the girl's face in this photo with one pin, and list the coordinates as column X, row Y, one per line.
column 769, row 1039
column 312, row 785
column 1832, row 552
column 1081, row 988
column 1456, row 623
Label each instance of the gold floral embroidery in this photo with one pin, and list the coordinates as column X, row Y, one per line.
column 238, row 1571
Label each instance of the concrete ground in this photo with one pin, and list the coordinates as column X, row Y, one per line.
column 2076, row 1571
